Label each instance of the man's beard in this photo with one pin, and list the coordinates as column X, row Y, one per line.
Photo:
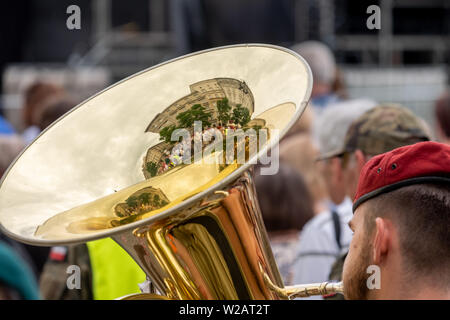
column 355, row 283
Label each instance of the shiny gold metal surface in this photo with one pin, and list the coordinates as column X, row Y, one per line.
column 304, row 290
column 98, row 148
column 103, row 170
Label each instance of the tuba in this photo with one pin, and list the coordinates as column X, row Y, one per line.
column 109, row 168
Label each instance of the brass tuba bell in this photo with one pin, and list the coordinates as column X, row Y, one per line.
column 108, row 169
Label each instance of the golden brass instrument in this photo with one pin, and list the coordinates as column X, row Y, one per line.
column 195, row 229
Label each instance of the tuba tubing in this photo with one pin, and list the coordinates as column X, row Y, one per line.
column 289, row 292
column 185, row 271
column 305, row 290
column 313, row 289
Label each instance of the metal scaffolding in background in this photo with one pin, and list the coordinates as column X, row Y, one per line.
column 380, row 72
column 388, row 46
column 125, row 53
column 381, row 48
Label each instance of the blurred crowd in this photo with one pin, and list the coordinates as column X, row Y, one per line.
column 323, row 155
column 306, row 206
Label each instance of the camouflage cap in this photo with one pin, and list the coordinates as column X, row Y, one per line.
column 330, row 127
column 382, row 129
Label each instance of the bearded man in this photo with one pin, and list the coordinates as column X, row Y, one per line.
column 401, row 224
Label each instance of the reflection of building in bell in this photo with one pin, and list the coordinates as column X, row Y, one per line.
column 206, row 93
column 142, row 201
column 155, row 153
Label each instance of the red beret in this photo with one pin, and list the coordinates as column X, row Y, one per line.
column 423, row 162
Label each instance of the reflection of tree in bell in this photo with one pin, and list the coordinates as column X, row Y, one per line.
column 223, row 110
column 241, row 115
column 142, row 201
column 166, row 134
column 197, row 112
column 152, row 168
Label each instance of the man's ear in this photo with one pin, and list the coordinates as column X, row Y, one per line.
column 336, row 168
column 360, row 159
column 381, row 241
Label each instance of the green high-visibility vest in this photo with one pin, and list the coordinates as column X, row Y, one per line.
column 114, row 272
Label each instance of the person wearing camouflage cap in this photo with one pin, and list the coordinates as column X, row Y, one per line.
column 378, row 130
column 328, row 132
column 385, row 127
column 326, row 235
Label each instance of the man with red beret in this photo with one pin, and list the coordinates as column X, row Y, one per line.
column 401, row 224
column 325, row 239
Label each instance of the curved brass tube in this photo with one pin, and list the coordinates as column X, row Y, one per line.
column 305, row 290
column 313, row 289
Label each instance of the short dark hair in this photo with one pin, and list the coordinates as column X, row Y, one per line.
column 422, row 214
column 54, row 110
column 285, row 200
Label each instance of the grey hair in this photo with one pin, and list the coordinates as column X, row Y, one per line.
column 331, row 126
column 320, row 58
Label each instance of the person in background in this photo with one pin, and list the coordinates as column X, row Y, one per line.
column 442, row 114
column 286, row 206
column 303, row 125
column 17, row 281
column 54, row 108
column 326, row 234
column 10, row 147
column 5, row 127
column 323, row 66
column 401, row 226
column 299, row 152
column 339, row 86
column 36, row 98
column 17, row 270
column 328, row 134
column 376, row 131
